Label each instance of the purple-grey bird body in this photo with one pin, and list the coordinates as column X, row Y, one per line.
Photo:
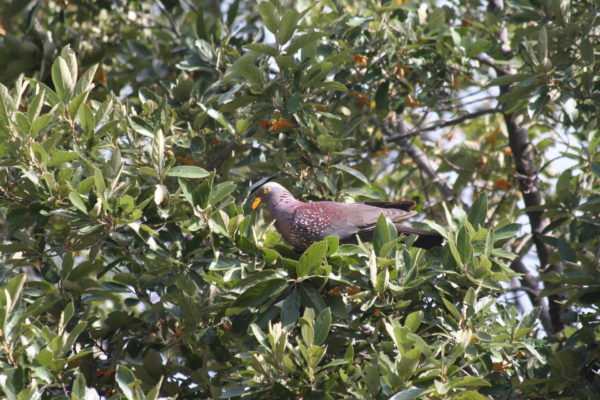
column 302, row 224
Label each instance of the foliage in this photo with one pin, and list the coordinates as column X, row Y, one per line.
column 132, row 132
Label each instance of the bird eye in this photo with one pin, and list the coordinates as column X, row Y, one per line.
column 267, row 189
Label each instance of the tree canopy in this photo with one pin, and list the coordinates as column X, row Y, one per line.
column 132, row 134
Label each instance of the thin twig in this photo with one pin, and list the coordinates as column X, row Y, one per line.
column 443, row 124
column 418, row 156
column 164, row 10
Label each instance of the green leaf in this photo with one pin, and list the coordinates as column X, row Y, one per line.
column 463, row 244
column 409, row 394
column 262, row 48
column 301, row 41
column 99, row 181
column 382, row 281
column 14, row 288
column 188, row 171
column 269, row 16
column 322, row 326
column 67, row 81
column 566, row 251
column 40, row 123
column 84, row 84
column 4, row 119
column 287, row 26
column 13, row 247
column 469, row 381
column 595, row 167
column 385, row 232
column 250, row 72
column 290, row 309
column 333, row 243
column 311, row 258
column 158, row 151
column 201, row 25
column 334, row 85
column 470, row 395
column 61, row 156
column 78, row 388
column 355, row 173
column 127, row 382
column 285, row 62
column 452, row 308
column 413, row 321
column 40, row 153
column 73, row 335
column 372, row 379
column 154, row 392
column 65, row 317
column 259, row 293
column 35, row 107
column 477, row 48
column 77, row 201
column 508, row 79
column 220, row 191
column 478, row 211
column 75, row 104
column 506, row 232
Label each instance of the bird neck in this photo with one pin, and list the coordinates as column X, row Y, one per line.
column 283, row 206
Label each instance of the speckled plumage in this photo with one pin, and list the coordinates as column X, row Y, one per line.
column 302, row 224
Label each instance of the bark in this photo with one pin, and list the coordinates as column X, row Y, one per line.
column 400, row 136
column 527, row 175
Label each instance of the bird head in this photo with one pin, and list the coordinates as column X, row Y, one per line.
column 267, row 193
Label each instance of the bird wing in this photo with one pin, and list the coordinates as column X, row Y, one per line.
column 347, row 219
column 405, row 205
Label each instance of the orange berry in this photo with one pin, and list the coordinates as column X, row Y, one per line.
column 360, row 60
column 502, row 184
column 409, row 101
column 351, row 291
column 280, row 124
column 501, row 366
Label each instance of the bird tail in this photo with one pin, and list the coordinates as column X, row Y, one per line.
column 426, row 239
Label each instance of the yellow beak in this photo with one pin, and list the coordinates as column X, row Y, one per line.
column 256, row 203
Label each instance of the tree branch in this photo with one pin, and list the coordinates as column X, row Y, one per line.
column 443, row 124
column 172, row 23
column 526, row 174
column 417, row 155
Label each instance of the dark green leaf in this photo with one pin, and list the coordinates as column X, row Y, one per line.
column 311, row 258
column 287, row 26
column 354, row 172
column 478, row 211
column 61, row 156
column 506, row 232
column 262, row 48
column 259, row 293
column 269, row 16
column 290, row 309
column 322, row 326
